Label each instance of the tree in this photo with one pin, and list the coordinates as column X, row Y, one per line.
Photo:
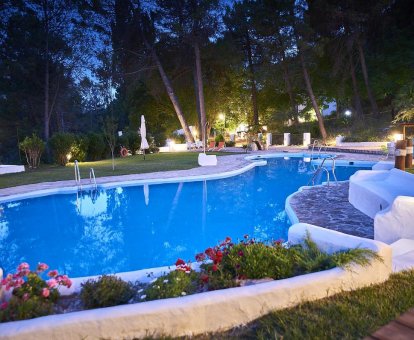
column 110, row 128
column 238, row 22
column 146, row 27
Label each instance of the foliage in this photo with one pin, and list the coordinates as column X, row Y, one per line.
column 219, row 138
column 61, row 144
column 130, row 140
column 33, row 148
column 106, row 291
column 405, row 101
column 79, row 150
column 96, row 146
column 257, row 260
column 230, row 143
column 180, row 282
column 32, row 296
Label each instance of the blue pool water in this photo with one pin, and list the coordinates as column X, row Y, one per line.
column 130, row 228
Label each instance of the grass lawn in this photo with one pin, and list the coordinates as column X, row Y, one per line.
column 348, row 315
column 123, row 166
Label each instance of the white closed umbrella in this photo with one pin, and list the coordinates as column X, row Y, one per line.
column 143, row 131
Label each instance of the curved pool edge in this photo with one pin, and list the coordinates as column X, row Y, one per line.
column 132, row 182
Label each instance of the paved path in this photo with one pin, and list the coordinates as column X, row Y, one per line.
column 401, row 328
column 328, row 207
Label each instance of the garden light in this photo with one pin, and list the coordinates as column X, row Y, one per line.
column 348, row 113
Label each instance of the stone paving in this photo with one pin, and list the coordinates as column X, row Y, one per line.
column 321, row 205
column 328, row 207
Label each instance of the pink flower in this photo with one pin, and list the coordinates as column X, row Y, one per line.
column 23, row 266
column 4, row 305
column 18, row 282
column 45, row 292
column 52, row 273
column 65, row 281
column 23, row 272
column 52, row 283
column 25, row 296
column 214, row 267
column 41, row 267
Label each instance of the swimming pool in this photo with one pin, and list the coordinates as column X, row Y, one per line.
column 136, row 227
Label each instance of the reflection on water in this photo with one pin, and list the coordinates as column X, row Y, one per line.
column 130, row 228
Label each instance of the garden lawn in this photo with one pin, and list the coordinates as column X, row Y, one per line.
column 123, row 166
column 348, row 315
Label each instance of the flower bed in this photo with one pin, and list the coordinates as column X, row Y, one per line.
column 204, row 312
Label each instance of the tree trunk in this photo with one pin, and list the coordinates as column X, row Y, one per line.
column 313, row 99
column 358, row 105
column 46, row 116
column 290, row 92
column 174, row 100
column 374, row 105
column 170, row 91
column 252, row 81
column 200, row 129
column 200, row 91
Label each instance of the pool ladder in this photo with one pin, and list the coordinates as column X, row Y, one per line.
column 316, row 144
column 322, row 168
column 92, row 178
column 77, row 175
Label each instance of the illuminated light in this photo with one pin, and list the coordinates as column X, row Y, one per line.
column 348, row 113
column 286, row 158
column 221, row 116
column 306, row 159
column 398, row 136
column 68, row 156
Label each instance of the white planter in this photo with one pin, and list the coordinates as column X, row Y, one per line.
column 10, row 169
column 212, row 311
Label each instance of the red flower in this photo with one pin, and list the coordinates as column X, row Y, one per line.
column 204, row 278
column 179, row 262
column 214, row 267
column 210, row 252
column 4, row 305
column 246, row 236
column 278, row 242
column 240, row 253
column 200, row 257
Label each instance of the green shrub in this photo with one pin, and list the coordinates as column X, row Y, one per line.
column 259, row 260
column 230, row 143
column 174, row 284
column 96, row 147
column 219, row 138
column 79, row 149
column 106, row 291
column 33, row 148
column 61, row 144
column 179, row 139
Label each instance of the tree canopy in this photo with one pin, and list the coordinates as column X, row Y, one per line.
column 67, row 65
